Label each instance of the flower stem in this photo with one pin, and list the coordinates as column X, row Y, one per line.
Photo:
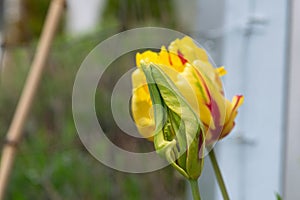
column 219, row 177
column 195, row 189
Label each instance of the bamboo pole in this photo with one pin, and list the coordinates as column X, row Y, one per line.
column 15, row 130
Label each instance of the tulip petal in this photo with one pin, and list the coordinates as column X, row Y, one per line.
column 141, row 105
column 221, row 71
column 237, row 101
column 188, row 49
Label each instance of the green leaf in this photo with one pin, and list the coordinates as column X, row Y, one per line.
column 178, row 127
column 278, row 197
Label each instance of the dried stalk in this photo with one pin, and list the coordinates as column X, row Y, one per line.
column 15, row 131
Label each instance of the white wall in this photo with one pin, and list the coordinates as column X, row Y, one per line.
column 292, row 167
column 255, row 57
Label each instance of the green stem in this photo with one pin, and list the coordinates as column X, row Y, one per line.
column 195, row 189
column 219, row 177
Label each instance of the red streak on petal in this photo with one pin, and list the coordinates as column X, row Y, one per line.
column 180, row 55
column 214, row 110
column 237, row 102
column 170, row 60
column 239, row 97
column 234, row 110
column 215, row 113
column 205, row 87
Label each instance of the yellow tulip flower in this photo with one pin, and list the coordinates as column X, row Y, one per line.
column 192, row 64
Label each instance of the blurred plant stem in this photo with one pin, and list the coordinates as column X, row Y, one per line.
column 219, row 177
column 195, row 189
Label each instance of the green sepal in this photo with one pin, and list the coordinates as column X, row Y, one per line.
column 178, row 128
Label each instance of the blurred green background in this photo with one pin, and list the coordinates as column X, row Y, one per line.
column 51, row 162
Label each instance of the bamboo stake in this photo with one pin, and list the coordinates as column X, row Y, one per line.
column 15, row 130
